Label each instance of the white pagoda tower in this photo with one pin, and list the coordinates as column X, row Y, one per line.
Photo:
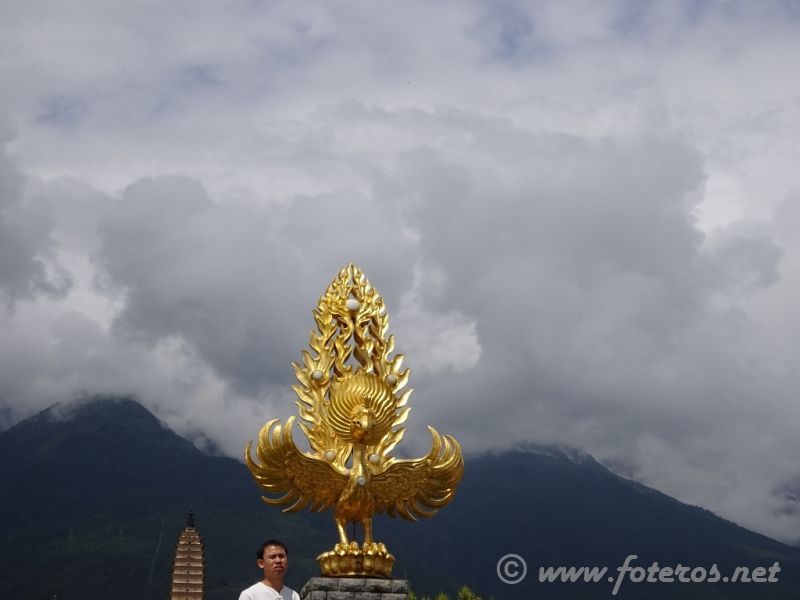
column 187, row 573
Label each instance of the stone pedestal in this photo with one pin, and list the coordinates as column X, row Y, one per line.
column 354, row 588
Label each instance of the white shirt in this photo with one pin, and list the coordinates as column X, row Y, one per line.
column 261, row 591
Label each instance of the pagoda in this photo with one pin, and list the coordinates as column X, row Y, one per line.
column 187, row 572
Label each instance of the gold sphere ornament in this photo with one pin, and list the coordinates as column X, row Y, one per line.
column 352, row 409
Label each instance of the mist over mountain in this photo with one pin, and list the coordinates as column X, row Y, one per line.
column 95, row 495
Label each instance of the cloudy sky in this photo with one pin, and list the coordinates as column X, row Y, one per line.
column 584, row 218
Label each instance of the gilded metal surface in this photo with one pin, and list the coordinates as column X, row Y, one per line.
column 352, row 411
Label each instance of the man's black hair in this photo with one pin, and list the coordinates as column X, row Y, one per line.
column 260, row 552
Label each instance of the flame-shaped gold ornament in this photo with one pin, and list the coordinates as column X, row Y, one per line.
column 353, row 412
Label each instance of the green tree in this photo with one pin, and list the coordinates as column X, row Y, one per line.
column 467, row 594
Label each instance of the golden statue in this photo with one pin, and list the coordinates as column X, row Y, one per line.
column 352, row 413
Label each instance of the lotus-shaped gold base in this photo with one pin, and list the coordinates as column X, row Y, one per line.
column 348, row 560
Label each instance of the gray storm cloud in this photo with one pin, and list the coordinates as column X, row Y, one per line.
column 27, row 265
column 236, row 283
column 584, row 232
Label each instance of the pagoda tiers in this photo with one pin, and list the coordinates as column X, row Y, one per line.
column 187, row 574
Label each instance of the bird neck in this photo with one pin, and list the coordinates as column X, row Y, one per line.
column 359, row 466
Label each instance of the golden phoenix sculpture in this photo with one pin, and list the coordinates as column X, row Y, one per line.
column 353, row 411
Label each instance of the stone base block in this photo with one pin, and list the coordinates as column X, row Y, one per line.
column 354, row 588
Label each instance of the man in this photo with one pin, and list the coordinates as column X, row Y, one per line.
column 273, row 558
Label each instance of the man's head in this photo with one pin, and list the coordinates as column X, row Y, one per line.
column 273, row 558
column 280, row 544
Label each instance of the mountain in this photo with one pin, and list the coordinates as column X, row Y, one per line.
column 554, row 509
column 94, row 496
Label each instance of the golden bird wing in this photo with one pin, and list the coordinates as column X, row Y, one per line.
column 299, row 478
column 420, row 487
